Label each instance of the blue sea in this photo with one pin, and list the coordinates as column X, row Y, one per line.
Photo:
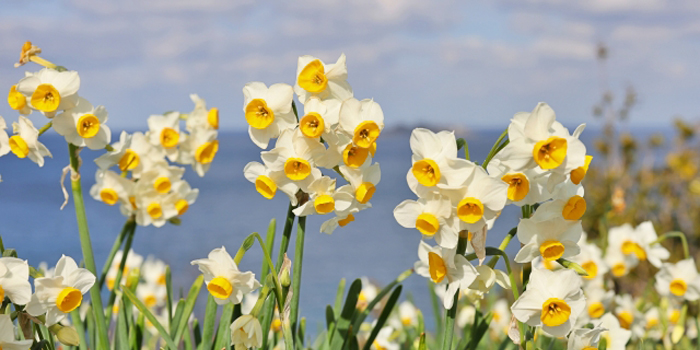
column 227, row 210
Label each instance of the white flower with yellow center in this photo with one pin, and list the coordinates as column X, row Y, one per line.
column 615, row 336
column 4, row 138
column 579, row 173
column 362, row 121
column 161, row 177
column 479, row 200
column 59, row 295
column 598, row 301
column 327, row 81
column 199, row 150
column 224, row 281
column 343, row 219
column 385, row 340
column 500, row 318
column 590, row 258
column 680, row 280
column 164, row 132
column 268, row 111
column 552, row 239
column 363, row 180
column 110, row 188
column 552, row 300
column 50, row 91
column 131, row 153
column 628, row 315
column 524, row 187
column 153, row 271
column 435, row 162
column 444, row 266
column 647, row 238
column 201, row 117
column 152, row 295
column 133, row 261
column 18, row 101
column 567, row 203
column 637, row 242
column 319, row 118
column 14, row 280
column 652, row 326
column 537, row 140
column 408, row 313
column 324, row 198
column 84, row 125
column 268, row 182
column 295, row 155
column 585, row 338
column 487, row 278
column 431, row 216
column 25, row 142
column 7, row 335
column 246, row 333
column 154, row 208
column 183, row 196
column 619, row 263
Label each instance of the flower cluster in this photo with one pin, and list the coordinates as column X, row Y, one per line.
column 147, row 186
column 335, row 132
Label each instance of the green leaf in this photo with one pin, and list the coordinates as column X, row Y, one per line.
column 144, row 310
column 384, row 316
column 339, row 296
column 269, row 245
column 223, row 335
column 122, row 339
column 189, row 306
column 360, row 317
column 209, row 322
column 421, row 343
column 176, row 318
column 169, row 291
column 342, row 325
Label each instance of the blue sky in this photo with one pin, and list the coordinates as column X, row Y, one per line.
column 452, row 63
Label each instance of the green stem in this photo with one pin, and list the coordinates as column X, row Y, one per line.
column 449, row 323
column 86, row 246
column 503, row 246
column 677, row 234
column 296, row 272
column 45, row 128
column 495, row 148
column 115, row 248
column 80, row 328
column 131, row 228
column 286, row 235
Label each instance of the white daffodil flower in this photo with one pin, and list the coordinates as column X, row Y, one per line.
column 444, row 266
column 342, row 151
column 585, row 338
column 84, row 125
column 153, row 271
column 154, row 208
column 296, row 156
column 385, row 340
column 152, row 295
column 319, row 118
column 111, row 188
column 14, row 280
column 652, row 324
column 18, row 101
column 324, row 198
column 408, row 314
column 536, row 139
column 59, row 295
column 132, row 153
column 201, row 117
column 479, row 200
column 161, row 177
column 268, row 111
column 431, row 216
column 628, row 315
column 435, row 162
column 619, row 263
column 133, row 261
column 598, row 300
column 49, row 90
column 680, row 280
column 183, row 196
column 568, row 202
column 579, row 173
column 465, row 315
column 646, row 236
column 552, row 239
column 367, row 294
column 500, row 318
column 246, row 333
column 327, row 81
column 199, row 150
column 329, row 226
column 224, row 281
column 590, row 258
column 525, row 187
column 164, row 132
column 268, row 182
column 362, row 121
column 487, row 278
column 552, row 300
column 25, row 142
column 616, row 337
column 363, row 180
column 7, row 335
column 4, row 139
